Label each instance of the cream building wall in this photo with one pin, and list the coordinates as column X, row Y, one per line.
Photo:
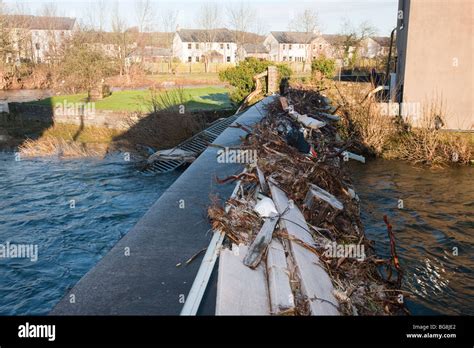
column 435, row 42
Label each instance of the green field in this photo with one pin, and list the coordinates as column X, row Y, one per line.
column 204, row 98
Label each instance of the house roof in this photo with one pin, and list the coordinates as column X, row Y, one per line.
column 333, row 39
column 39, row 22
column 255, row 48
column 293, row 37
column 383, row 41
column 201, row 35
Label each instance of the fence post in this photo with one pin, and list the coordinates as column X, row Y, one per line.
column 272, row 79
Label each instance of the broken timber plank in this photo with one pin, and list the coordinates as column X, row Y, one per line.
column 315, row 282
column 323, row 195
column 260, row 243
column 281, row 296
column 240, row 289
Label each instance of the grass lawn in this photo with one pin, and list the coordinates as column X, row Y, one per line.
column 205, row 98
column 187, row 78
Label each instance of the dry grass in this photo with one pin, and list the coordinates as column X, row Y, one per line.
column 65, row 140
column 51, row 146
column 393, row 138
column 427, row 145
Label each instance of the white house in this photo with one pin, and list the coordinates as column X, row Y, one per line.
column 375, row 46
column 38, row 38
column 290, row 46
column 195, row 45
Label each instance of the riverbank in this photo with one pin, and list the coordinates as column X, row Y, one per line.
column 69, row 126
column 378, row 132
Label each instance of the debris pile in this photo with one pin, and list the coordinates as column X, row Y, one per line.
column 297, row 217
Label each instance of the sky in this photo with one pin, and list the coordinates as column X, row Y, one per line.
column 270, row 14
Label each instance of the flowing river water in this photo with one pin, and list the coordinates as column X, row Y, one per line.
column 110, row 196
column 74, row 211
column 434, row 230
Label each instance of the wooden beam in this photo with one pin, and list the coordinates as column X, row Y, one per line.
column 260, row 243
column 240, row 289
column 316, row 285
column 281, row 296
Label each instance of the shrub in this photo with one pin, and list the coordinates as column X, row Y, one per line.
column 325, row 67
column 241, row 76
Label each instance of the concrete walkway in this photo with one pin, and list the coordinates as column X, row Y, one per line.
column 147, row 282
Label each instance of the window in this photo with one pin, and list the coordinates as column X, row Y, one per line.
column 314, row 47
column 222, row 46
column 284, row 46
column 197, row 46
column 228, row 59
column 228, row 46
column 197, row 59
column 190, row 59
column 189, row 46
column 320, row 46
column 289, row 47
column 284, row 58
column 37, row 45
column 290, row 59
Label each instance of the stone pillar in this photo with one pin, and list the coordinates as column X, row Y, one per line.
column 272, row 80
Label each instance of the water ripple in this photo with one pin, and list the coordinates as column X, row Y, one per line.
column 35, row 195
column 434, row 230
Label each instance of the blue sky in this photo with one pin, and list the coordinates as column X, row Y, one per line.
column 272, row 14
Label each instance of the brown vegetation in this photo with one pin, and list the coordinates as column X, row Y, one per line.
column 392, row 137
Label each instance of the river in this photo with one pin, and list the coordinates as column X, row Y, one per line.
column 434, row 230
column 74, row 211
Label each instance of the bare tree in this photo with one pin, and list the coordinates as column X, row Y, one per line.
column 352, row 38
column 241, row 19
column 260, row 27
column 144, row 10
column 52, row 43
column 122, row 40
column 6, row 45
column 95, row 16
column 208, row 19
column 308, row 23
column 169, row 20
